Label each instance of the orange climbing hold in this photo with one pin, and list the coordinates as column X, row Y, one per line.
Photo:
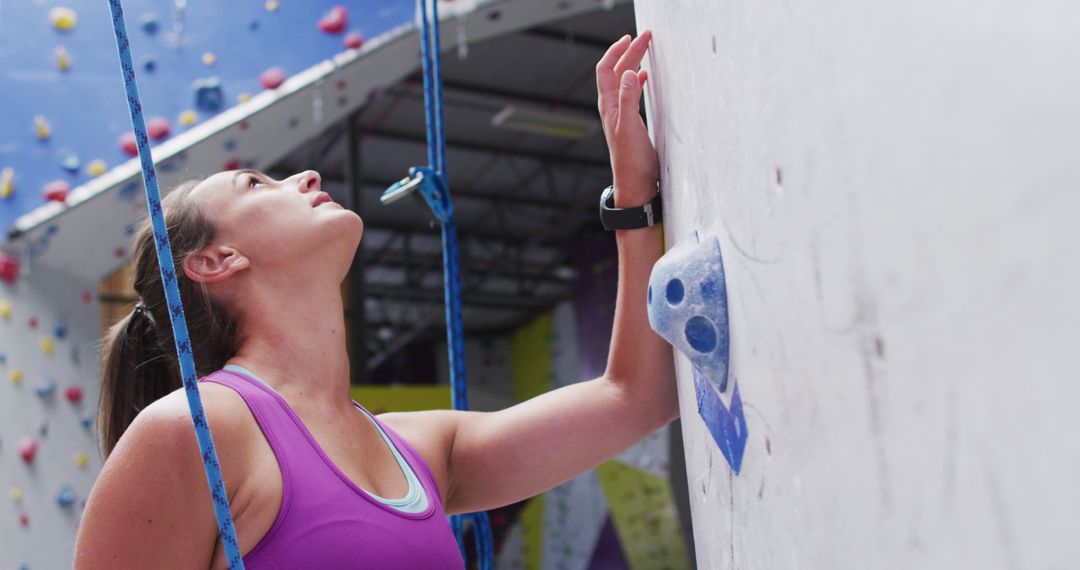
column 272, row 78
column 56, row 191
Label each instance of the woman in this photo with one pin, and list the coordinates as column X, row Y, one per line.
column 308, row 471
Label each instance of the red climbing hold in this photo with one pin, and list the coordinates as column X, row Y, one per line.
column 28, row 449
column 127, row 143
column 354, row 40
column 334, row 21
column 24, row 519
column 158, row 128
column 73, row 394
column 272, row 78
column 232, row 165
column 32, row 322
column 9, row 268
column 86, row 298
column 56, row 191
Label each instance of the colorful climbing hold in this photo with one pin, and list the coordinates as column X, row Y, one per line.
column 244, row 97
column 9, row 268
column 7, row 182
column 187, row 118
column 353, row 40
column 65, row 498
column 127, row 144
column 28, row 449
column 271, row 5
column 95, row 168
column 158, row 128
column 63, row 19
column 16, row 494
column 43, row 428
column 45, row 388
column 87, row 297
column 149, row 22
column 24, row 520
column 208, row 94
column 82, row 459
column 56, row 191
column 63, row 60
column 60, row 330
column 149, row 64
column 67, row 159
column 41, row 127
column 272, row 78
column 233, row 164
column 74, row 394
column 16, row 377
column 208, row 58
column 334, row 21
column 87, row 421
column 46, row 344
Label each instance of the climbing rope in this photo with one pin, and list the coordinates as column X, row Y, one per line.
column 432, row 185
column 172, row 295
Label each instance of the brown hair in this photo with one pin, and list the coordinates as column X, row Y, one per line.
column 138, row 356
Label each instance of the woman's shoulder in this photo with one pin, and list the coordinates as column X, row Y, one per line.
column 226, row 412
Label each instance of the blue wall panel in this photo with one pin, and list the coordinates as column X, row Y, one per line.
column 85, row 105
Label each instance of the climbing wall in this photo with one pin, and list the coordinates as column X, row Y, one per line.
column 49, row 328
column 890, row 191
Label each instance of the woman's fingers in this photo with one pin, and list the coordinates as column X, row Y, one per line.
column 629, row 97
column 631, row 58
column 607, row 85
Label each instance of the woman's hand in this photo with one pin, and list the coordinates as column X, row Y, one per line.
column 634, row 163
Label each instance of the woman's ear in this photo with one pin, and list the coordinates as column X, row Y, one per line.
column 215, row 263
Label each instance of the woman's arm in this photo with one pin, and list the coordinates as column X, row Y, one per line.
column 150, row 506
column 502, row 457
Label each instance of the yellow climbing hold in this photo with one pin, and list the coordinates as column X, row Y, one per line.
column 82, row 459
column 271, row 5
column 62, row 18
column 16, row 494
column 5, row 308
column 208, row 58
column 16, row 376
column 47, row 344
column 96, row 168
column 243, row 97
column 187, row 118
column 41, row 127
column 63, row 61
column 7, row 182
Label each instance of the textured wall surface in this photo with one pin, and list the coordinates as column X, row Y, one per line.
column 46, row 309
column 893, row 189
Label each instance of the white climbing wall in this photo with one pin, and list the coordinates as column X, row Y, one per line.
column 35, row 530
column 893, row 186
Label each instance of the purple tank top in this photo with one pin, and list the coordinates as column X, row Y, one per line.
column 326, row 520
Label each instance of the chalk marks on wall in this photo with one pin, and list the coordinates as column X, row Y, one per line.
column 687, row 300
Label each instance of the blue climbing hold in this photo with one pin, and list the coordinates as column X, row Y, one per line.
column 45, row 389
column 60, row 331
column 65, row 499
column 87, row 421
column 209, row 96
column 150, row 24
column 67, row 159
column 149, row 64
column 694, row 319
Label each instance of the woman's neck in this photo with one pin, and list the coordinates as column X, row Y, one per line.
column 295, row 342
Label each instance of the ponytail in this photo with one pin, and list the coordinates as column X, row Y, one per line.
column 139, row 362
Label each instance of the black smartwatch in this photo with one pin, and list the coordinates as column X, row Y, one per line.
column 629, row 218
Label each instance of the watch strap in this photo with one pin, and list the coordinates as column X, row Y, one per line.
column 644, row 216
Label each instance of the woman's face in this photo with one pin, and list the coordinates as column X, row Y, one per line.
column 285, row 224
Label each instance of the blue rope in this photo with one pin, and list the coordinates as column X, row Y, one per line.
column 436, row 139
column 172, row 295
